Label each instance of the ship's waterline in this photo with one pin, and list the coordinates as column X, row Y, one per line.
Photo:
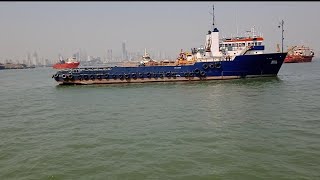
column 148, row 80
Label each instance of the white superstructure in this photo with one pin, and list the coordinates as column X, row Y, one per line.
column 226, row 49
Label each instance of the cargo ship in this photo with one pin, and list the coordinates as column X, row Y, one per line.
column 218, row 59
column 68, row 64
column 299, row 54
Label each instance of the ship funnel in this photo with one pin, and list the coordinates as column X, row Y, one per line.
column 214, row 37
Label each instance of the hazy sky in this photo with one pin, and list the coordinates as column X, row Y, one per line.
column 62, row 27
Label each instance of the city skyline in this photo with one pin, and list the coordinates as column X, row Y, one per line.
column 158, row 26
column 82, row 56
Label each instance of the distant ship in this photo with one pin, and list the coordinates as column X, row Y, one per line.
column 218, row 59
column 299, row 54
column 69, row 64
column 2, row 66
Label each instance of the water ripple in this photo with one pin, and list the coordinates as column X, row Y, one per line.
column 266, row 128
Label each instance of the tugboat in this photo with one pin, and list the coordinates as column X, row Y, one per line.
column 69, row 64
column 218, row 59
column 299, row 54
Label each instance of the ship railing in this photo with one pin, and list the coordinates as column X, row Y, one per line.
column 211, row 59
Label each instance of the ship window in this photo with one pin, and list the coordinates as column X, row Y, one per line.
column 259, row 43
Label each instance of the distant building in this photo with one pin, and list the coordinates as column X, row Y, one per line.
column 47, row 62
column 35, row 58
column 83, row 54
column 92, row 61
column 29, row 61
column 76, row 55
column 124, row 51
column 109, row 55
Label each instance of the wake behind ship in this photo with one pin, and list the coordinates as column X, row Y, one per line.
column 228, row 58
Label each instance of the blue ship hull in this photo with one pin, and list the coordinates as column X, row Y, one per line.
column 258, row 65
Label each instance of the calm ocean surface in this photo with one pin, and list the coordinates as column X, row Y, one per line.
column 266, row 128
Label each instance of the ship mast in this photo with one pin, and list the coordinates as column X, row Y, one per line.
column 209, row 40
column 212, row 17
column 282, row 38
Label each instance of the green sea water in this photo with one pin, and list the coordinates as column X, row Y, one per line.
column 264, row 128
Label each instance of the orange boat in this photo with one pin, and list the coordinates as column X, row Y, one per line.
column 299, row 54
column 69, row 64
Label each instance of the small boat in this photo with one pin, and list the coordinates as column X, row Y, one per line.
column 2, row 66
column 148, row 61
column 299, row 54
column 70, row 63
column 218, row 59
